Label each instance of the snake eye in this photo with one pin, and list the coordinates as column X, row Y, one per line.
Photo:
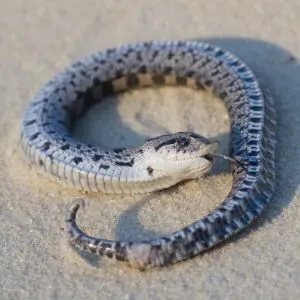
column 183, row 141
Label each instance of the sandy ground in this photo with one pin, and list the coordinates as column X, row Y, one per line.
column 39, row 38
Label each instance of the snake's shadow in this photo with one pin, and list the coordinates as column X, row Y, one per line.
column 280, row 71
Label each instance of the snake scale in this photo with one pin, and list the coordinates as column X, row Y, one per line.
column 163, row 161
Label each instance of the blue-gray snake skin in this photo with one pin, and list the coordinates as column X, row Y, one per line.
column 48, row 144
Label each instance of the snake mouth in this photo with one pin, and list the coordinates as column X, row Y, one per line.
column 208, row 157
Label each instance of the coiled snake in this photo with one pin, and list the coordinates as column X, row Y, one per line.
column 163, row 161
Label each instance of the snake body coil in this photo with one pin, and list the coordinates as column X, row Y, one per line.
column 48, row 144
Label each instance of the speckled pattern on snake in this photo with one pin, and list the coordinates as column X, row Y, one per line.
column 163, row 161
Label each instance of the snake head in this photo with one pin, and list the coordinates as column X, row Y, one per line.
column 184, row 154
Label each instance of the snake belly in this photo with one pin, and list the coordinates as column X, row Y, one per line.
column 49, row 145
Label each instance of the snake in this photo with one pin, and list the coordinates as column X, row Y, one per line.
column 162, row 161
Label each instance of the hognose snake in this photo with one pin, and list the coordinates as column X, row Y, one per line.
column 163, row 161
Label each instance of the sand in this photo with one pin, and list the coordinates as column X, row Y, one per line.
column 40, row 38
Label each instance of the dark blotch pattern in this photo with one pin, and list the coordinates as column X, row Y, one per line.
column 121, row 253
column 97, row 157
column 181, row 80
column 46, row 146
column 65, row 147
column 105, row 167
column 107, row 88
column 158, row 79
column 77, row 159
column 29, row 122
column 149, row 170
column 132, row 81
column 125, row 164
column 34, row 136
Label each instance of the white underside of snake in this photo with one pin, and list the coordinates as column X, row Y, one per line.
column 163, row 161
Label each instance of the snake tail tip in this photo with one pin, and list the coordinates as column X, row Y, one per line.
column 73, row 209
column 80, row 203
